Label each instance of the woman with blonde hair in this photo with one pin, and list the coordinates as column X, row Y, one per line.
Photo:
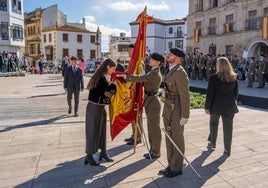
column 222, row 92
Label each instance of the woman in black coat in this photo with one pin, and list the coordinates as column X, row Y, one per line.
column 221, row 98
column 100, row 91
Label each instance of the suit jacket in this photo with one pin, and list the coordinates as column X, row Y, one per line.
column 177, row 93
column 221, row 96
column 120, row 68
column 73, row 80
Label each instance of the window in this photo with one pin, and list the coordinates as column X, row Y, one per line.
column 198, row 26
column 265, row 12
column 170, row 44
column 3, row 5
column 212, row 26
column 199, row 6
column 65, row 52
column 65, row 37
column 45, row 37
column 16, row 6
column 170, row 30
column 4, row 31
column 229, row 23
column 32, row 49
column 92, row 39
column 179, row 32
column 229, row 1
column 229, row 49
column 213, row 3
column 79, row 38
column 179, row 44
column 252, row 22
column 122, row 48
column 79, row 53
column 16, row 32
column 92, row 54
column 38, row 48
column 50, row 37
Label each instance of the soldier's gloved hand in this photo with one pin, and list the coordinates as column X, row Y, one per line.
column 183, row 121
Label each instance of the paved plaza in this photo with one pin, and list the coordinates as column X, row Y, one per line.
column 41, row 145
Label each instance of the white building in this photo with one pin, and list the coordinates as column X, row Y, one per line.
column 50, row 36
column 118, row 47
column 161, row 35
column 11, row 26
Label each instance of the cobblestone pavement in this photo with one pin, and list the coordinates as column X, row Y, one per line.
column 42, row 146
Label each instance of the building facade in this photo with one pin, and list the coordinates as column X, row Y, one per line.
column 161, row 35
column 50, row 36
column 237, row 27
column 118, row 47
column 11, row 26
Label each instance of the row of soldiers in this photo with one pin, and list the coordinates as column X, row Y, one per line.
column 202, row 66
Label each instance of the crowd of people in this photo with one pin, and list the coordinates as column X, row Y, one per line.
column 248, row 69
column 9, row 62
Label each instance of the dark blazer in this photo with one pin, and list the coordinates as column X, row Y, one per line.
column 97, row 94
column 73, row 80
column 120, row 68
column 221, row 96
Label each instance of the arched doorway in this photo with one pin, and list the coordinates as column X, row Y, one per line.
column 258, row 48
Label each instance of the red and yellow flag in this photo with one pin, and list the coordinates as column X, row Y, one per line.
column 128, row 98
column 265, row 27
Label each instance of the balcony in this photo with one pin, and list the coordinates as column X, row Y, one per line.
column 253, row 23
column 212, row 30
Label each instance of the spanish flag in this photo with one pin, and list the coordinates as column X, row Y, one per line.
column 265, row 27
column 129, row 96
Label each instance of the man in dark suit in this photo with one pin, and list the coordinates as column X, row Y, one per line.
column 73, row 84
column 119, row 66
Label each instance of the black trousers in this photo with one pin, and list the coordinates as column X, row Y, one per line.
column 76, row 99
column 227, row 121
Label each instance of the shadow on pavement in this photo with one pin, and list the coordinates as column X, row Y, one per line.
column 69, row 174
column 36, row 123
column 189, row 178
column 47, row 95
column 49, row 85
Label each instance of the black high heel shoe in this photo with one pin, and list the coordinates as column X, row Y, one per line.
column 105, row 156
column 89, row 159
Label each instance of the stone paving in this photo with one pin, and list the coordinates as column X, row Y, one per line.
column 42, row 146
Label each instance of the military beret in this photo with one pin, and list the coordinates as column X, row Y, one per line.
column 177, row 52
column 131, row 45
column 157, row 57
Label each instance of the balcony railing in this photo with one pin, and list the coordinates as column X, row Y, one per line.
column 253, row 23
column 212, row 30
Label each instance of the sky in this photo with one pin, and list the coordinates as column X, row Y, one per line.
column 112, row 16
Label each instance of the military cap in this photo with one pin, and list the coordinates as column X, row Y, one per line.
column 177, row 52
column 157, row 57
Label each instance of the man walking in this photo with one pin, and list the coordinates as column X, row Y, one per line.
column 176, row 111
column 73, row 84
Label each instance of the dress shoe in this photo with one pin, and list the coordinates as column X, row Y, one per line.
column 164, row 171
column 132, row 142
column 105, row 156
column 69, row 110
column 211, row 146
column 171, row 174
column 226, row 152
column 75, row 115
column 147, row 156
column 128, row 139
column 89, row 159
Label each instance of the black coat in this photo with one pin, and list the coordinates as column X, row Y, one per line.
column 97, row 94
column 73, row 80
column 120, row 68
column 221, row 96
